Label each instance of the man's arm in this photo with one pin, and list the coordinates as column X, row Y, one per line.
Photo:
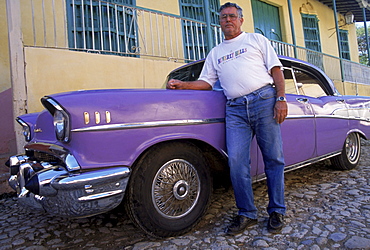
column 197, row 85
column 281, row 108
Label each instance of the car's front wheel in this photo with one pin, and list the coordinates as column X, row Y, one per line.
column 169, row 189
column 350, row 155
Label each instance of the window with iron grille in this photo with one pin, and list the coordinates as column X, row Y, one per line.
column 311, row 32
column 344, row 44
column 103, row 26
column 201, row 32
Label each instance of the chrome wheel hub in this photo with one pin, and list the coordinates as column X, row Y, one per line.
column 180, row 189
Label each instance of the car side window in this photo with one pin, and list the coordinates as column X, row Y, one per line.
column 290, row 81
column 188, row 73
column 310, row 85
column 302, row 83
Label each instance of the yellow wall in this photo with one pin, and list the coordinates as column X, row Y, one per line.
column 4, row 50
column 353, row 43
column 52, row 70
column 52, row 32
column 160, row 5
column 77, row 71
column 350, row 88
column 328, row 36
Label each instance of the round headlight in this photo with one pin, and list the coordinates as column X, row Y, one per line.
column 27, row 133
column 59, row 124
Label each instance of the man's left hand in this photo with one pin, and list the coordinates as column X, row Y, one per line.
column 280, row 111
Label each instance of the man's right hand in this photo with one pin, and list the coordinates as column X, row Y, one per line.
column 175, row 84
column 198, row 85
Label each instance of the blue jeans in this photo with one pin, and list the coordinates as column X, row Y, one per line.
column 246, row 117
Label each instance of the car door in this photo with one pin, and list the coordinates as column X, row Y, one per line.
column 298, row 130
column 330, row 111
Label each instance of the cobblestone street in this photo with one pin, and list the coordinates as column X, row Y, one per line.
column 327, row 209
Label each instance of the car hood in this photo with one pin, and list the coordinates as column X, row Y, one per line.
column 98, row 107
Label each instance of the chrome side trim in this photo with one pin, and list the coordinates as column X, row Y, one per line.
column 100, row 196
column 299, row 116
column 344, row 117
column 137, row 125
column 311, row 161
column 333, row 116
column 301, row 164
column 360, row 119
column 317, row 116
column 328, row 116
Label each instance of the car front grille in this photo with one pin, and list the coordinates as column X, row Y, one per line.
column 40, row 156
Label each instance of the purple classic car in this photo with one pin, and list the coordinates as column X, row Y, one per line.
column 160, row 151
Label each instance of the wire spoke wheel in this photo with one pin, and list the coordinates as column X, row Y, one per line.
column 350, row 155
column 175, row 189
column 352, row 148
column 169, row 189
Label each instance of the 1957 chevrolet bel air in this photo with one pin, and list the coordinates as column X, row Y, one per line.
column 158, row 151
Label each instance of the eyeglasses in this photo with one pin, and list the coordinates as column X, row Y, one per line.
column 232, row 17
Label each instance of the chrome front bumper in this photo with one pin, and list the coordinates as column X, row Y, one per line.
column 51, row 188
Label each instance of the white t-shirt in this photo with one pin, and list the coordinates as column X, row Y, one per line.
column 242, row 64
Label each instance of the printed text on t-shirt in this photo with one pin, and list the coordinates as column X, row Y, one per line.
column 231, row 56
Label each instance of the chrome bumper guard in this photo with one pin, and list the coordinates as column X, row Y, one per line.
column 53, row 189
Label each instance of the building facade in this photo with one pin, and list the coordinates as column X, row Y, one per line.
column 66, row 45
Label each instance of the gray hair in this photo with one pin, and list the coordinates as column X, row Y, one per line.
column 228, row 4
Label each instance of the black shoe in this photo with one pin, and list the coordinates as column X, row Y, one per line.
column 239, row 224
column 275, row 223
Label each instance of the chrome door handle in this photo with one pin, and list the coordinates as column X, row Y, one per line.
column 340, row 101
column 302, row 100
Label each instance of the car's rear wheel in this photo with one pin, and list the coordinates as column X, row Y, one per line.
column 169, row 189
column 350, row 155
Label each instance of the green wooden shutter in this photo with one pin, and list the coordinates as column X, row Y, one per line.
column 266, row 20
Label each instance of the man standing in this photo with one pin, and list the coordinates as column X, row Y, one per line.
column 250, row 75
